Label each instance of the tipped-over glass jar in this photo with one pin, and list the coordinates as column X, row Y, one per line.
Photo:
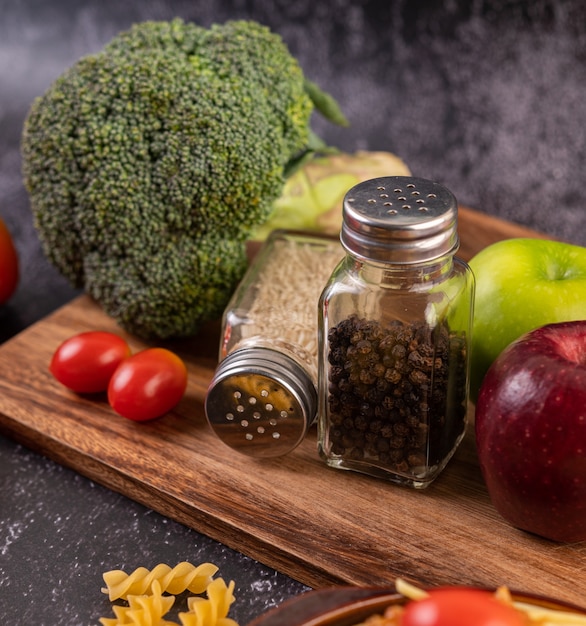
column 394, row 334
column 263, row 396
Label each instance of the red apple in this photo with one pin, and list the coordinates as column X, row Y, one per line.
column 531, row 431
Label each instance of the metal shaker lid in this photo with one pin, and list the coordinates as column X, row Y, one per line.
column 399, row 219
column 261, row 402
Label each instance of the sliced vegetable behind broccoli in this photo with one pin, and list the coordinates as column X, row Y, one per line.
column 149, row 164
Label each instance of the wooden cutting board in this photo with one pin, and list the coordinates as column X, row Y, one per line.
column 316, row 524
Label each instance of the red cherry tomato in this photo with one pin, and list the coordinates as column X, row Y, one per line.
column 8, row 264
column 85, row 362
column 460, row 607
column 148, row 384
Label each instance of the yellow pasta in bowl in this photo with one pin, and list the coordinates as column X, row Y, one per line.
column 402, row 606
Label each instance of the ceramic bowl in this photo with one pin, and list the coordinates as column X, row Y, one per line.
column 347, row 606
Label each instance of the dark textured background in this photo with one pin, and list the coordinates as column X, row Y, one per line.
column 486, row 97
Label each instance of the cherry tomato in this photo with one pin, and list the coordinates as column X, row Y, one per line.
column 8, row 264
column 456, row 606
column 148, row 384
column 85, row 362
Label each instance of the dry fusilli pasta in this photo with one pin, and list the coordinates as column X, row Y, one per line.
column 143, row 610
column 147, row 606
column 212, row 611
column 182, row 577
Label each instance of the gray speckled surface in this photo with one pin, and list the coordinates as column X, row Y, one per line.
column 60, row 531
column 486, row 97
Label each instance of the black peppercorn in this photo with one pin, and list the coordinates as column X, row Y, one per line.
column 409, row 415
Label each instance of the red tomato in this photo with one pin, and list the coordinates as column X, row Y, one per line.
column 8, row 264
column 85, row 363
column 147, row 384
column 456, row 606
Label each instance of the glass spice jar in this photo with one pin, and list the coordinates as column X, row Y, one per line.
column 394, row 334
column 263, row 396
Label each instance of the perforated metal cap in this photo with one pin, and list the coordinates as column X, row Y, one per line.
column 399, row 219
column 261, row 402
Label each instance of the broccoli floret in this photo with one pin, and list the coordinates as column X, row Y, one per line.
column 149, row 164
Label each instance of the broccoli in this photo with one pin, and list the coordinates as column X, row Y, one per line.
column 149, row 163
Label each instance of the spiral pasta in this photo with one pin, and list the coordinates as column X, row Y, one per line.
column 212, row 611
column 143, row 610
column 174, row 580
column 144, row 590
column 534, row 615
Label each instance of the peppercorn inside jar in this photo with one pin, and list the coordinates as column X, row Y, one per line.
column 394, row 334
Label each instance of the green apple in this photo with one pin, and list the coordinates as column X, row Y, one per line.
column 522, row 284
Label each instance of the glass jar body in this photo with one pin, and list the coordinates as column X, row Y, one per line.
column 394, row 344
column 275, row 305
column 263, row 396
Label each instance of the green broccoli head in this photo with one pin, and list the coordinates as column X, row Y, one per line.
column 149, row 164
column 155, row 294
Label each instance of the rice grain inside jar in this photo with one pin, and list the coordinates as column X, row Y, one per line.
column 394, row 334
column 263, row 397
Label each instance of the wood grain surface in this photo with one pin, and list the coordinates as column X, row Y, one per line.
column 318, row 525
